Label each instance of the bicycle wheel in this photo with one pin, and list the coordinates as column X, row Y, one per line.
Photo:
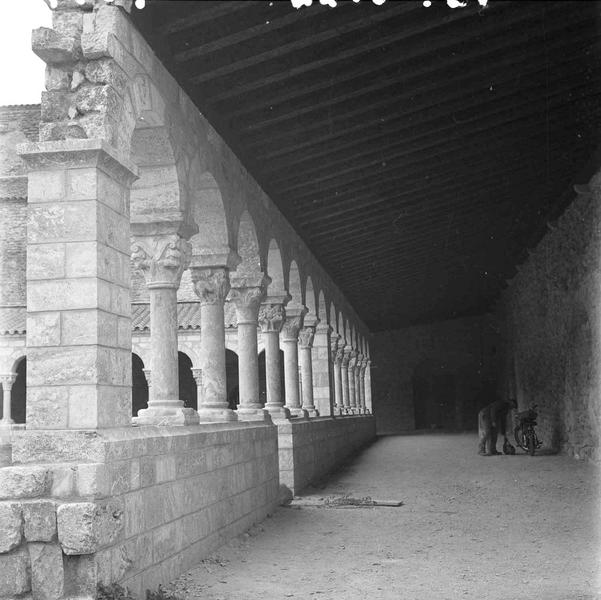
column 518, row 434
column 531, row 442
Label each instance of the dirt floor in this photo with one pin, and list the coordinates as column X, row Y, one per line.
column 500, row 527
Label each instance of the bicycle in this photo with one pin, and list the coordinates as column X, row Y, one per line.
column 524, row 432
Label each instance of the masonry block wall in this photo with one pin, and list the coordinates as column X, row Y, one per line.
column 148, row 504
column 309, row 450
column 17, row 124
column 451, row 362
column 551, row 329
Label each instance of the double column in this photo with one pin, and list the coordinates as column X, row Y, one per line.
column 337, row 350
column 247, row 293
column 161, row 255
column 306, row 335
column 289, row 336
column 212, row 285
column 271, row 318
column 7, row 381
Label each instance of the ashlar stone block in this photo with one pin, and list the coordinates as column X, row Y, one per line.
column 47, row 572
column 23, row 482
column 11, row 526
column 14, row 573
column 39, row 521
column 86, row 527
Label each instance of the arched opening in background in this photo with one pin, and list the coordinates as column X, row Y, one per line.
column 434, row 393
column 139, row 385
column 263, row 377
column 18, row 405
column 188, row 391
column 231, row 374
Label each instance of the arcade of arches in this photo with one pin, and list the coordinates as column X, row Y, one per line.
column 172, row 353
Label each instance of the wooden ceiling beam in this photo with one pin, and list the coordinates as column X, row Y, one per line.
column 205, row 15
column 280, row 50
column 481, row 124
column 244, row 88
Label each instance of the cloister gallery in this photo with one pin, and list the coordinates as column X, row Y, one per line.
column 173, row 355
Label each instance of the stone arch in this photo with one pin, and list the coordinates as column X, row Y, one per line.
column 275, row 268
column 187, row 383
column 294, row 284
column 322, row 310
column 341, row 328
column 310, row 298
column 139, row 384
column 248, row 246
column 333, row 320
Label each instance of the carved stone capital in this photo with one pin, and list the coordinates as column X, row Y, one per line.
column 210, row 284
column 295, row 316
column 147, row 374
column 271, row 317
column 306, row 336
column 346, row 357
column 352, row 359
column 7, row 380
column 248, row 301
column 339, row 356
column 197, row 374
column 161, row 258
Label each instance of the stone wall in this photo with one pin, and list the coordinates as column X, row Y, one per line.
column 459, row 354
column 148, row 504
column 309, row 450
column 17, row 124
column 551, row 325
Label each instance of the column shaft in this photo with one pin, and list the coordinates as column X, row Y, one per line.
column 163, row 347
column 289, row 338
column 7, row 385
column 211, row 284
column 162, row 255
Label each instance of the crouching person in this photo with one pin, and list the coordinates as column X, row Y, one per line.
column 492, row 420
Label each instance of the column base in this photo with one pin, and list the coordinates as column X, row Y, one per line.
column 208, row 414
column 166, row 416
column 311, row 412
column 338, row 412
column 299, row 413
column 253, row 414
column 278, row 412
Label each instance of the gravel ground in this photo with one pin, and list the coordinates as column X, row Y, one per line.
column 500, row 527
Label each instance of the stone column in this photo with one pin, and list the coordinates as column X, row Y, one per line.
column 351, row 383
column 78, row 281
column 362, row 386
column 271, row 319
column 247, row 293
column 359, row 408
column 212, row 286
column 289, row 337
column 7, row 381
column 162, row 255
column 337, row 354
column 197, row 374
column 344, row 371
column 323, row 395
column 305, row 343
column 368, row 401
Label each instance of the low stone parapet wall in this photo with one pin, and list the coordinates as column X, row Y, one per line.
column 308, row 450
column 131, row 506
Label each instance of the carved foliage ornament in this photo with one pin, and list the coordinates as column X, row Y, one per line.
column 162, row 259
column 211, row 285
column 291, row 327
column 305, row 337
column 247, row 301
column 271, row 317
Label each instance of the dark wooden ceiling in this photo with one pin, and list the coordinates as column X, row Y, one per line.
column 418, row 151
